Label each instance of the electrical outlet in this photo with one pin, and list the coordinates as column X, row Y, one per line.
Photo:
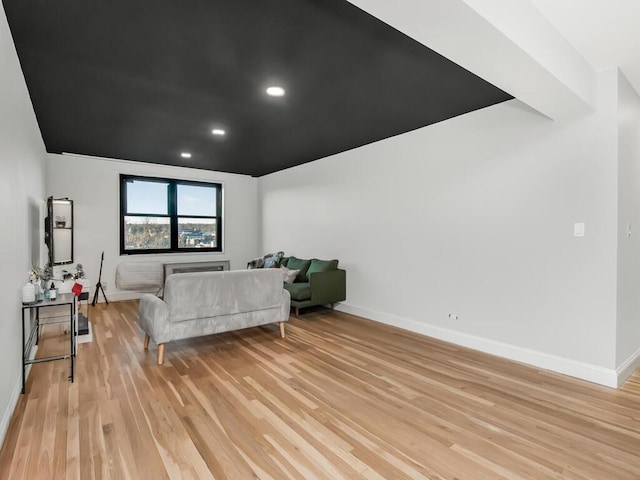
column 104, row 286
column 453, row 316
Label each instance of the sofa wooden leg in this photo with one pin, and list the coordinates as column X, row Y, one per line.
column 297, row 311
column 160, row 353
column 282, row 329
column 146, row 341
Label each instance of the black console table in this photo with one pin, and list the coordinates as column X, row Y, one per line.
column 64, row 299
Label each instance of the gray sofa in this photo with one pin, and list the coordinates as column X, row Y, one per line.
column 197, row 304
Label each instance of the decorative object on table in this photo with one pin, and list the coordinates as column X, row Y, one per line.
column 53, row 293
column 29, row 293
column 77, row 289
column 79, row 271
column 99, row 285
column 39, row 276
column 39, row 292
column 66, row 275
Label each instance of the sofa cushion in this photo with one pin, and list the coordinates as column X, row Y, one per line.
column 191, row 296
column 298, row 264
column 255, row 263
column 272, row 260
column 289, row 275
column 299, row 291
column 321, row 266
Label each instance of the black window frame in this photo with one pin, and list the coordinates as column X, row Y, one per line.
column 172, row 214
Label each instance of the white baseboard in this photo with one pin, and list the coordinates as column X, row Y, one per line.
column 11, row 406
column 566, row 366
column 627, row 368
column 13, row 399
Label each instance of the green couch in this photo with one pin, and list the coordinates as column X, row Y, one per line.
column 319, row 282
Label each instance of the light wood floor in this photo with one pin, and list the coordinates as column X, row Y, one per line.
column 340, row 397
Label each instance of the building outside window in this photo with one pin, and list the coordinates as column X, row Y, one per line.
column 161, row 215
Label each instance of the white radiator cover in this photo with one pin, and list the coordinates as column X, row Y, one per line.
column 140, row 276
column 150, row 276
column 190, row 267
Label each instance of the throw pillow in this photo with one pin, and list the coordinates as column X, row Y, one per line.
column 299, row 264
column 255, row 263
column 322, row 266
column 289, row 275
column 272, row 260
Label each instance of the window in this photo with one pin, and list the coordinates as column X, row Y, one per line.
column 162, row 215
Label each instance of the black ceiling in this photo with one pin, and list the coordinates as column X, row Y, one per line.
column 146, row 80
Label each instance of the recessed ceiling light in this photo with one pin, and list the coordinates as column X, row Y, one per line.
column 275, row 91
column 185, row 155
column 218, row 131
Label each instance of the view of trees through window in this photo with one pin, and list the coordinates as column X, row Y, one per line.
column 164, row 215
column 147, row 233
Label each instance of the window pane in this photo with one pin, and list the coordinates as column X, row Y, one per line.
column 147, row 197
column 196, row 200
column 145, row 233
column 197, row 233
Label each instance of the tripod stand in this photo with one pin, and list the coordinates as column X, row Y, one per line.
column 99, row 285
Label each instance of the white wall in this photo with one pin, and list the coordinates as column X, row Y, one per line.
column 472, row 216
column 628, row 328
column 93, row 185
column 21, row 193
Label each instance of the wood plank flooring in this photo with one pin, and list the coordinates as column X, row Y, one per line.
column 339, row 398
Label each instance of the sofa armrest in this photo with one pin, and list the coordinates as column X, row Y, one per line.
column 153, row 315
column 285, row 307
column 328, row 287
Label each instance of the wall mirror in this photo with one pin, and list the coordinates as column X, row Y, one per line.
column 59, row 230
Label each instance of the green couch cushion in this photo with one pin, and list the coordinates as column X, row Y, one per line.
column 298, row 264
column 321, row 266
column 299, row 291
